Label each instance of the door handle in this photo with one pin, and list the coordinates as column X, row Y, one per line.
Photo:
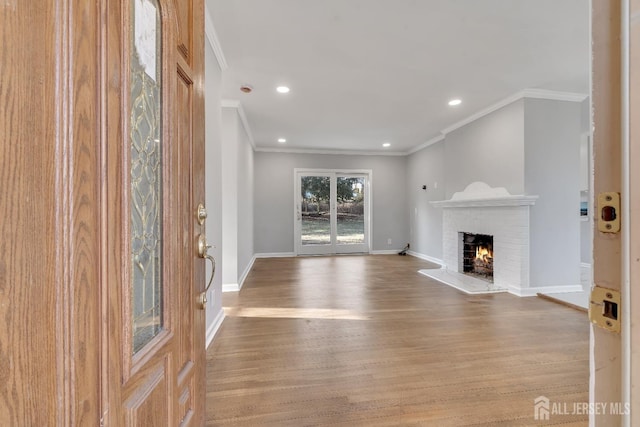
column 202, row 253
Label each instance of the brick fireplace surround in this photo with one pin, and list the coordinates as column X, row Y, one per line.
column 480, row 209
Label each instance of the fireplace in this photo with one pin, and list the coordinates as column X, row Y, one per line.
column 476, row 255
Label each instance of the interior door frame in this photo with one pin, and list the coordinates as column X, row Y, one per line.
column 631, row 209
column 333, row 248
column 611, row 373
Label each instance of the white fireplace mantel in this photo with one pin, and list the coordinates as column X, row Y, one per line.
column 479, row 194
column 476, row 203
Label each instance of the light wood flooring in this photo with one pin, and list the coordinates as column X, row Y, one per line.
column 367, row 341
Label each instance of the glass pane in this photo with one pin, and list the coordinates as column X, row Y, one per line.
column 146, row 172
column 316, row 210
column 350, row 206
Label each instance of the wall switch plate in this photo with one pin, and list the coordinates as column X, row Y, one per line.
column 389, row 242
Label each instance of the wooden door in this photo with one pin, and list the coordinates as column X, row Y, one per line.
column 49, row 213
column 68, row 346
column 154, row 147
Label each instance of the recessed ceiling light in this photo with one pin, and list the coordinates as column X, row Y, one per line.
column 283, row 89
column 455, row 102
column 282, row 140
column 386, row 144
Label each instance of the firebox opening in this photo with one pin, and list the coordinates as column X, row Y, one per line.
column 477, row 255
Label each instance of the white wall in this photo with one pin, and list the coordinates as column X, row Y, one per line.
column 274, row 197
column 490, row 149
column 213, row 179
column 552, row 170
column 426, row 167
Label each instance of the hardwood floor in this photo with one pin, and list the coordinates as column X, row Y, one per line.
column 367, row 341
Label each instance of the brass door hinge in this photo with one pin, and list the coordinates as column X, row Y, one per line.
column 605, row 308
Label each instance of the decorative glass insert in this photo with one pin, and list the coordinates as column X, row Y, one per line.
column 146, row 171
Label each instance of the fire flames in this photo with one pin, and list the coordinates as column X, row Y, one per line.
column 483, row 254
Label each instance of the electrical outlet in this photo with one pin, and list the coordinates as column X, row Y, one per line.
column 389, row 242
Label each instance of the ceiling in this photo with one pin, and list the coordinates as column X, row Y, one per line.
column 365, row 72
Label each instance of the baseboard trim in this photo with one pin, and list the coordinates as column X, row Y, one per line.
column 246, row 273
column 213, row 328
column 427, row 258
column 561, row 302
column 276, row 255
column 230, row 287
column 386, row 252
column 236, row 287
column 532, row 292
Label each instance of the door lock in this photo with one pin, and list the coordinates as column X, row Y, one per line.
column 609, row 207
column 201, row 213
column 604, row 308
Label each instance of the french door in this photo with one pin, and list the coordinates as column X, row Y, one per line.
column 332, row 211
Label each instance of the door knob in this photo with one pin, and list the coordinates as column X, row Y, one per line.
column 202, row 253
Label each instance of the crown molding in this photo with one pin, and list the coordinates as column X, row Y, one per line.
column 527, row 93
column 330, row 152
column 554, row 95
column 472, row 118
column 212, row 36
column 229, row 103
column 425, row 144
column 235, row 104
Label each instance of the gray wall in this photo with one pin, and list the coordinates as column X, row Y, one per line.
column 213, row 176
column 490, row 149
column 237, row 198
column 552, row 170
column 586, row 227
column 245, row 201
column 274, row 197
column 229, row 167
column 426, row 167
column 529, row 147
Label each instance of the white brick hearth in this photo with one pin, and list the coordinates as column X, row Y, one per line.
column 481, row 209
